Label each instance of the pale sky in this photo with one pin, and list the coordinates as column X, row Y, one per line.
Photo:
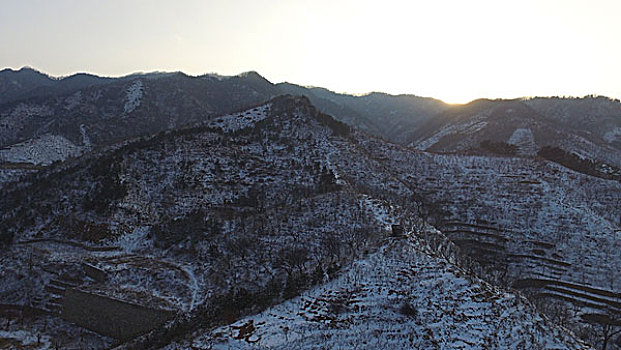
column 453, row 50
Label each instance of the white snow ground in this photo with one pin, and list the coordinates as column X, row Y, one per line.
column 242, row 120
column 43, row 150
column 613, row 135
column 134, row 97
column 469, row 127
column 362, row 309
column 524, row 140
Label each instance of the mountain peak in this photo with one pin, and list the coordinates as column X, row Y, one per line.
column 26, row 70
column 250, row 73
column 253, row 75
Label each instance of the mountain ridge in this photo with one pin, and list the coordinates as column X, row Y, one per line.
column 180, row 190
column 280, row 196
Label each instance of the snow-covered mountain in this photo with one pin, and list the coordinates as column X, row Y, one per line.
column 581, row 133
column 117, row 110
column 27, row 83
column 399, row 297
column 250, row 203
column 393, row 117
column 202, row 198
column 112, row 110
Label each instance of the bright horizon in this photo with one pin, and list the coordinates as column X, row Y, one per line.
column 455, row 51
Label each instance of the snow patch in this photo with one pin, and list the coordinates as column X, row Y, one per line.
column 194, row 286
column 43, row 150
column 134, row 97
column 613, row 135
column 470, row 127
column 73, row 101
column 86, row 141
column 380, row 210
column 242, row 120
column 135, row 240
column 26, row 339
column 524, row 140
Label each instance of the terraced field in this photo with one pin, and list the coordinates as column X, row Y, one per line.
column 396, row 298
column 530, row 224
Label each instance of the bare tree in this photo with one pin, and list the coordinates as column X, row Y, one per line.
column 606, row 326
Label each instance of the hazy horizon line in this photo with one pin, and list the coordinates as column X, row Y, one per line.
column 309, row 86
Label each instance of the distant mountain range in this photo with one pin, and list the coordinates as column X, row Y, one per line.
column 88, row 111
column 174, row 99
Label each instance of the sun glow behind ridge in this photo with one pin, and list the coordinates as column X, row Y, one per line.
column 453, row 50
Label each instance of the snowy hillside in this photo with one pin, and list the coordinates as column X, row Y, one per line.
column 121, row 109
column 524, row 141
column 240, row 213
column 134, row 96
column 396, row 298
column 43, row 150
column 581, row 132
column 247, row 203
column 523, row 221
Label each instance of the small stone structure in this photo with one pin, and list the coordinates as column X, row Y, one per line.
column 111, row 317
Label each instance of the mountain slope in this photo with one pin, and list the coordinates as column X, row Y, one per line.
column 396, row 298
column 124, row 109
column 105, row 111
column 584, row 139
column 28, row 83
column 528, row 222
column 179, row 203
column 392, row 117
column 249, row 209
column 90, row 111
column 14, row 84
column 246, row 203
